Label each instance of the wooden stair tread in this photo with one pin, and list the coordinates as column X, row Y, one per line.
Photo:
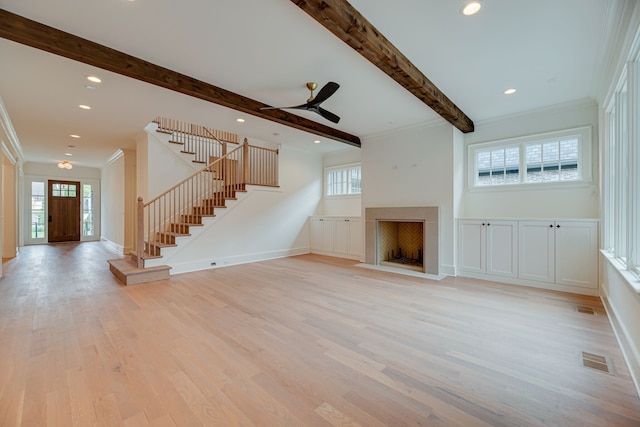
column 174, row 233
column 161, row 245
column 128, row 272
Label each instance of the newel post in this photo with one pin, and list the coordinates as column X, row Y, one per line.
column 245, row 162
column 140, row 233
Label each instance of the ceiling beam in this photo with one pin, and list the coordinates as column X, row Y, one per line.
column 31, row 33
column 339, row 17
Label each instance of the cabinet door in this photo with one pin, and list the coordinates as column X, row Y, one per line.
column 472, row 245
column 341, row 242
column 328, row 233
column 502, row 248
column 577, row 253
column 536, row 250
column 316, row 234
column 355, row 237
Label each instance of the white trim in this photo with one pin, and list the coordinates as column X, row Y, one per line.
column 436, row 121
column 5, row 121
column 112, row 246
column 529, row 283
column 115, row 156
column 585, row 165
column 557, row 108
column 402, row 271
column 191, row 266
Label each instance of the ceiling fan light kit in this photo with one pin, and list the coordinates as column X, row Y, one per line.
column 313, row 103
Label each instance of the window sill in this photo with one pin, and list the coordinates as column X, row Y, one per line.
column 344, row 196
column 632, row 279
column 531, row 187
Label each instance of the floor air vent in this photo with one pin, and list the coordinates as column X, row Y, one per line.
column 586, row 310
column 595, row 361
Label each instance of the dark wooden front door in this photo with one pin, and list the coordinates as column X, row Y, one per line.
column 64, row 211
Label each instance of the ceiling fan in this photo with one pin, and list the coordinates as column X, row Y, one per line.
column 313, row 103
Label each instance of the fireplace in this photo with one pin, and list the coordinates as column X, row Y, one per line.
column 403, row 239
column 401, row 244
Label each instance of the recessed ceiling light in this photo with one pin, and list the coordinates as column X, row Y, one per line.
column 240, row 120
column 510, row 91
column 90, row 87
column 68, row 154
column 74, row 136
column 471, row 8
column 317, row 141
column 84, row 107
column 71, row 146
column 94, row 79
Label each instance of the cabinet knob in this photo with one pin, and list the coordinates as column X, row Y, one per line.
column 550, row 225
column 488, row 224
column 483, row 224
column 558, row 226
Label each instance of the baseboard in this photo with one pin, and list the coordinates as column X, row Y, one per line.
column 628, row 350
column 114, row 247
column 531, row 283
column 447, row 270
column 206, row 264
column 333, row 254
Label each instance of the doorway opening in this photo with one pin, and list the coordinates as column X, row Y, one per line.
column 64, row 211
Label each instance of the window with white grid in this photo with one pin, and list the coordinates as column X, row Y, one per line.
column 343, row 180
column 555, row 157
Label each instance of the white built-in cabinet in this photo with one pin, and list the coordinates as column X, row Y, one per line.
column 561, row 252
column 337, row 236
column 489, row 247
column 553, row 254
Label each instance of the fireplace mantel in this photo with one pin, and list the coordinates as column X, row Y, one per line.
column 428, row 215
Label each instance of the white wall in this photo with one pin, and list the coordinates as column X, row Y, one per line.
column 415, row 167
column 163, row 163
column 574, row 201
column 112, row 209
column 350, row 205
column 264, row 223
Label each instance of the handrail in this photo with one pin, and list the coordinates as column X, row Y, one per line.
column 204, row 169
column 172, row 212
column 188, row 128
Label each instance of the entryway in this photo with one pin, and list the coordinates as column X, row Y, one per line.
column 64, row 211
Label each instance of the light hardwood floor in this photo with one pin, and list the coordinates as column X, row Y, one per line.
column 303, row 341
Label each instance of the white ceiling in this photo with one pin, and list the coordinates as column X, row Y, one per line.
column 550, row 50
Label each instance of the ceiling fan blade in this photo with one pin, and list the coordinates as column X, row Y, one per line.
column 295, row 107
column 328, row 115
column 326, row 91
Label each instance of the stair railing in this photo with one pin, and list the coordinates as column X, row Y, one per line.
column 184, row 204
column 201, row 141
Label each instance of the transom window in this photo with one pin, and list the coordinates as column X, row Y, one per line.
column 554, row 157
column 343, row 180
column 63, row 190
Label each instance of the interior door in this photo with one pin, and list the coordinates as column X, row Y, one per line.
column 64, row 211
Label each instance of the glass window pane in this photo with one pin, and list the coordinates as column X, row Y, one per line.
column 87, row 210
column 550, row 151
column 37, row 210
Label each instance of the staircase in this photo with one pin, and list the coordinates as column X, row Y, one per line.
column 167, row 220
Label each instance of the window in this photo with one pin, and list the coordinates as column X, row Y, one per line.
column 343, row 180
column 87, row 210
column 621, row 171
column 554, row 157
column 37, row 210
column 64, row 190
